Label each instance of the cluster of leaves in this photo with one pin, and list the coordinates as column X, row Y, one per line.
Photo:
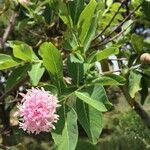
column 76, row 40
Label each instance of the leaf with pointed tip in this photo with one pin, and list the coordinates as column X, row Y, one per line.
column 23, row 51
column 66, row 133
column 75, row 8
column 100, row 55
column 134, row 83
column 85, row 145
column 85, row 27
column 98, row 101
column 76, row 70
column 111, row 79
column 6, row 61
column 90, row 119
column 52, row 59
column 35, row 73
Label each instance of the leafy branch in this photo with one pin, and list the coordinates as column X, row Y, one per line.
column 110, row 22
column 103, row 42
column 111, row 39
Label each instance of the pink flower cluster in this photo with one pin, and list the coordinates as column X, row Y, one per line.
column 37, row 111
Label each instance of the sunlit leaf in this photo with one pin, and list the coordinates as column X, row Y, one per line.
column 6, row 61
column 85, row 22
column 35, row 72
column 103, row 54
column 23, row 51
column 110, row 79
column 52, row 59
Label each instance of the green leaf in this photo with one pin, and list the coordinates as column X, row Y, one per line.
column 70, row 41
column 52, row 59
column 76, row 58
column 35, row 73
column 109, row 3
column 83, row 144
column 23, row 51
column 98, row 101
column 134, row 83
column 16, row 76
column 91, row 33
column 66, row 133
column 137, row 42
column 90, row 119
column 85, row 19
column 7, row 61
column 127, row 27
column 49, row 12
column 64, row 14
column 100, row 55
column 76, row 70
column 75, row 8
column 146, row 8
column 110, row 79
column 50, row 87
column 132, row 58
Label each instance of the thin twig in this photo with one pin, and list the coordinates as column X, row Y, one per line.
column 102, row 42
column 109, row 21
column 120, row 25
column 111, row 39
column 8, row 29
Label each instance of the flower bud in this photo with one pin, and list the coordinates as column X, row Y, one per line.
column 145, row 58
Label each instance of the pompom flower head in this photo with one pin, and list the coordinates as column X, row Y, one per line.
column 37, row 111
